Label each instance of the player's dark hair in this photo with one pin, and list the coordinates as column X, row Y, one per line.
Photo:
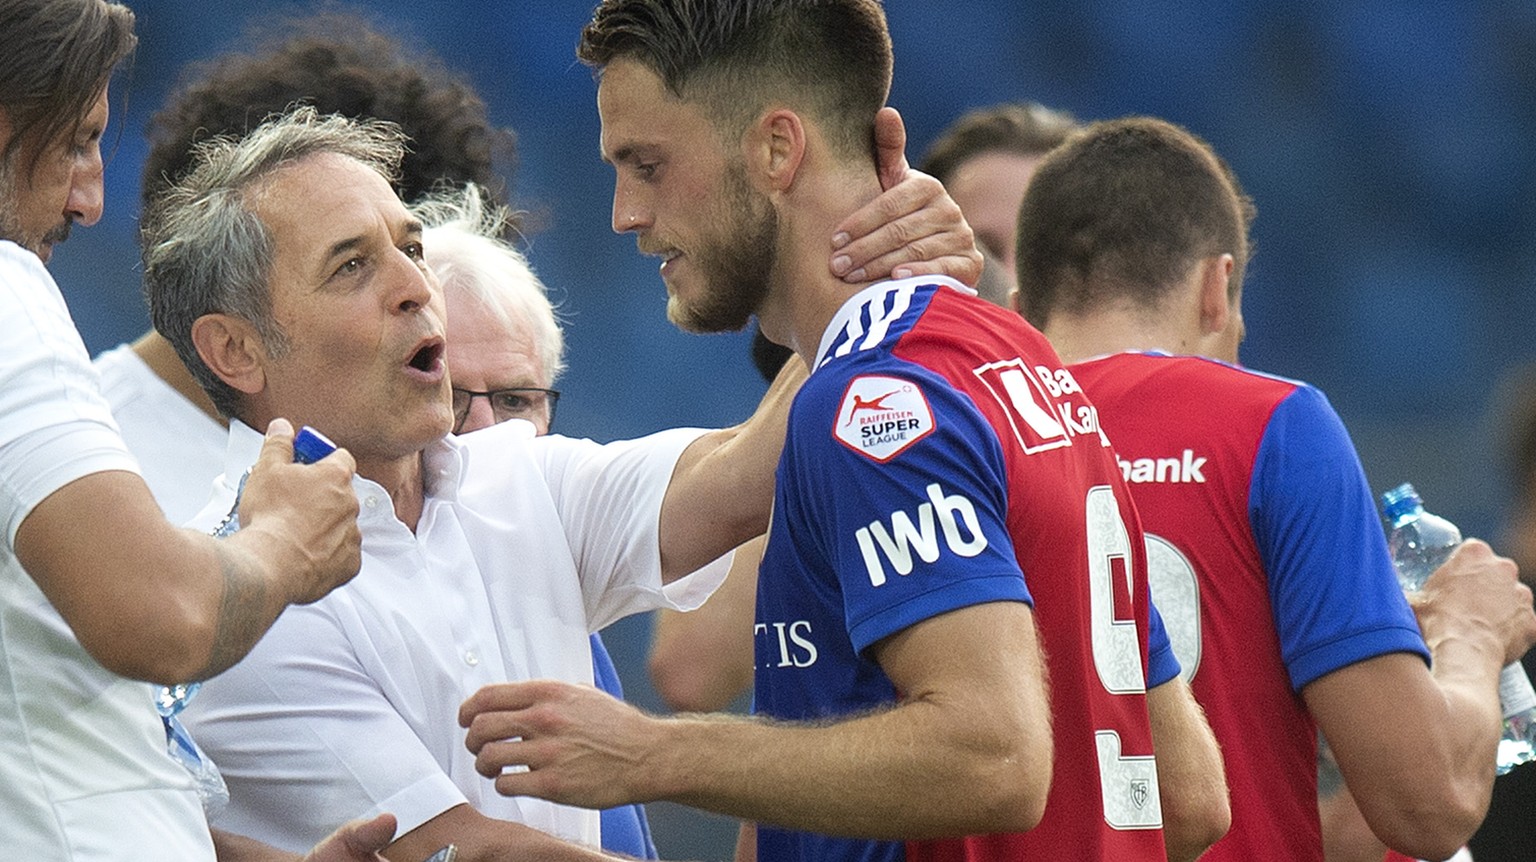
column 829, row 58
column 1020, row 128
column 338, row 64
column 1123, row 210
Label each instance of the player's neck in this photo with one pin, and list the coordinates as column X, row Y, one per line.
column 1083, row 336
column 805, row 294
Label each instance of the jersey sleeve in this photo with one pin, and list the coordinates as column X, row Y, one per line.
column 54, row 425
column 911, row 519
column 307, row 740
column 1335, row 597
column 1162, row 664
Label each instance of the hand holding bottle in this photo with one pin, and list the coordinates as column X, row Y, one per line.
column 306, row 515
column 1477, row 588
column 1463, row 590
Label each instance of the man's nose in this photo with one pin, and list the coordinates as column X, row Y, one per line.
column 628, row 213
column 85, row 193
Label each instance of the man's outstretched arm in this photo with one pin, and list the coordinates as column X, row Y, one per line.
column 151, row 601
column 966, row 751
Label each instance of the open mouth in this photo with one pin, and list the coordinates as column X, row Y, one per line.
column 428, row 358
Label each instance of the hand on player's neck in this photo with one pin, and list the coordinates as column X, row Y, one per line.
column 805, row 294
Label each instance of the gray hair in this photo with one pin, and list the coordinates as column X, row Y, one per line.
column 463, row 245
column 206, row 251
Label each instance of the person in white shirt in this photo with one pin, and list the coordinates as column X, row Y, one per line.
column 97, row 589
column 178, row 444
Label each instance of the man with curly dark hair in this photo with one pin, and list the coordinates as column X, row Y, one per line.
column 340, row 64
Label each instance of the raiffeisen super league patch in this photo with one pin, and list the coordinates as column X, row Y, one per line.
column 881, row 416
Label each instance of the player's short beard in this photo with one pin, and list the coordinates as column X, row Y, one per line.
column 737, row 264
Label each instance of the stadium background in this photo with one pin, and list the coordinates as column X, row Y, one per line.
column 1388, row 145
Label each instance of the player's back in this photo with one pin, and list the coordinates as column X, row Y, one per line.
column 972, row 408
column 1266, row 562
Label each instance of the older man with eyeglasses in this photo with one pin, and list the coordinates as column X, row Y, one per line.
column 505, row 351
column 505, row 348
column 533, row 403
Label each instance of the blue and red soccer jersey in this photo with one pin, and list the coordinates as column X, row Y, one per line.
column 1268, row 564
column 940, row 457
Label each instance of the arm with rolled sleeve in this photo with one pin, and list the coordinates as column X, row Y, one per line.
column 144, row 599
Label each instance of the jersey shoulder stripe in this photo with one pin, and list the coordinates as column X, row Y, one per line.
column 880, row 314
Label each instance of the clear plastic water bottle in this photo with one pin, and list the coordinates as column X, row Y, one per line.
column 309, row 446
column 1420, row 542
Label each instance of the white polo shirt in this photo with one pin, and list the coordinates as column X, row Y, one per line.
column 180, row 449
column 349, row 706
column 84, row 773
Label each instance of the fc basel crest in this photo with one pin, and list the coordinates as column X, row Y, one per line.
column 881, row 416
column 1140, row 791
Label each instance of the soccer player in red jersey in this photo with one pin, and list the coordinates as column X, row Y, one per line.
column 956, row 655
column 1266, row 554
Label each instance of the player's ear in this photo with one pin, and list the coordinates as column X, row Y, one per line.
column 232, row 348
column 774, row 147
column 1215, row 297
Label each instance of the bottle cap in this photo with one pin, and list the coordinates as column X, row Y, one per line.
column 310, row 446
column 1400, row 501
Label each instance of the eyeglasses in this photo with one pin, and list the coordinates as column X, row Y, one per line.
column 520, row 402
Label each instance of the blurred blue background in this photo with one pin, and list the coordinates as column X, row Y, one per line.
column 1387, row 143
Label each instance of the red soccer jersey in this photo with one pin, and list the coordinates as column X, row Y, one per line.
column 1267, row 563
column 1074, row 553
column 967, row 410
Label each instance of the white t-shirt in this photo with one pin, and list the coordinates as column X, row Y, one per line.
column 349, row 706
column 84, row 773
column 180, row 448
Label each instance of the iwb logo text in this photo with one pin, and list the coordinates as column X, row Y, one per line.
column 952, row 516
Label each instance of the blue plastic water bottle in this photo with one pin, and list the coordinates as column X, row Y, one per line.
column 1420, row 542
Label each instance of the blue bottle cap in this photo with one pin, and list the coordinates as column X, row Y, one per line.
column 310, row 446
column 1400, row 501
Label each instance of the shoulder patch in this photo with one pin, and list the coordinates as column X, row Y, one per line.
column 881, row 416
